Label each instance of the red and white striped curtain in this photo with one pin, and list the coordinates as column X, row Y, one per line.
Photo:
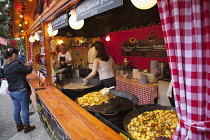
column 186, row 29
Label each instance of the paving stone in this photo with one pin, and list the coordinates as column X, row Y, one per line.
column 8, row 127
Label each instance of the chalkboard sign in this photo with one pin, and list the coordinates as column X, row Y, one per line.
column 41, row 39
column 60, row 22
column 54, row 130
column 144, row 48
column 90, row 8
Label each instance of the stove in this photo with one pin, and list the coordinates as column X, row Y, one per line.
column 115, row 122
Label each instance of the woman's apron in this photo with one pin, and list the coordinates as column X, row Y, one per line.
column 68, row 71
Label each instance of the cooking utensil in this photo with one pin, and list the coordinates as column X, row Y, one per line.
column 105, row 90
column 124, row 102
column 74, row 93
column 141, row 109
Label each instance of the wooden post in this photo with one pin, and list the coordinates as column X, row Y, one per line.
column 47, row 53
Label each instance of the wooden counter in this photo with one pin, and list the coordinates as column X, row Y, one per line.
column 76, row 122
column 146, row 93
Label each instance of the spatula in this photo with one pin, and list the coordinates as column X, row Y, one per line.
column 105, row 90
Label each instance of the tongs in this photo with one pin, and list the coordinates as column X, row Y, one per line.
column 105, row 90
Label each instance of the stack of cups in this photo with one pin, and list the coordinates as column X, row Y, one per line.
column 143, row 78
column 154, row 66
column 135, row 73
column 151, row 77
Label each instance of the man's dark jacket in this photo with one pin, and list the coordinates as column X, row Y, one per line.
column 15, row 72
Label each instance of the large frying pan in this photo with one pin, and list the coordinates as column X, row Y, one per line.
column 141, row 109
column 73, row 93
column 123, row 102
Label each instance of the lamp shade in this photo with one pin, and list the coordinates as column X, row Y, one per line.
column 50, row 31
column 74, row 24
column 31, row 39
column 144, row 4
column 36, row 37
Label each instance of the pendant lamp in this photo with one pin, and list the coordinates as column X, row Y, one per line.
column 73, row 23
column 31, row 39
column 50, row 30
column 36, row 37
column 144, row 4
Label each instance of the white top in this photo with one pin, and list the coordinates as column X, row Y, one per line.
column 169, row 90
column 105, row 69
column 67, row 56
column 91, row 56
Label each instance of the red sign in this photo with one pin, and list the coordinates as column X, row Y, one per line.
column 3, row 41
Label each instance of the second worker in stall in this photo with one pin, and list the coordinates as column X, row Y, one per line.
column 65, row 60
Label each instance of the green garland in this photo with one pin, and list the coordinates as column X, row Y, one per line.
column 6, row 21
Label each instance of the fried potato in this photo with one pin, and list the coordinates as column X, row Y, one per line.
column 152, row 124
column 94, row 98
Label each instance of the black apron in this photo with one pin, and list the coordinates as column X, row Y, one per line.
column 68, row 71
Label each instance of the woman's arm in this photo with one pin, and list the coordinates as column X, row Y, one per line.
column 114, row 67
column 94, row 70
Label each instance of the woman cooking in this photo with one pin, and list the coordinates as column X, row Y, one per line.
column 65, row 60
column 105, row 65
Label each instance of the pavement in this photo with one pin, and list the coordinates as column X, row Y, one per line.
column 8, row 129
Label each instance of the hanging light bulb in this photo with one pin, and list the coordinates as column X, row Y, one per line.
column 107, row 38
column 50, row 30
column 60, row 41
column 144, row 4
column 36, row 36
column 31, row 39
column 73, row 23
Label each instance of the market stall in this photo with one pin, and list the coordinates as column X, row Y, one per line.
column 53, row 29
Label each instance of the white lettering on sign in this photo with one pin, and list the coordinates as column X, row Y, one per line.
column 93, row 7
column 3, row 41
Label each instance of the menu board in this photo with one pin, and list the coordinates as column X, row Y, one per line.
column 90, row 8
column 43, row 61
column 41, row 39
column 144, row 48
column 60, row 22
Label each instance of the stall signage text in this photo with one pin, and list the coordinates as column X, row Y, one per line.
column 90, row 8
column 60, row 22
column 3, row 41
column 144, row 48
column 41, row 39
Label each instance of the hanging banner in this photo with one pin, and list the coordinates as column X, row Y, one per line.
column 144, row 48
column 90, row 8
column 60, row 22
column 3, row 41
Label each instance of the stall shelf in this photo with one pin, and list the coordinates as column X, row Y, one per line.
column 146, row 93
column 65, row 119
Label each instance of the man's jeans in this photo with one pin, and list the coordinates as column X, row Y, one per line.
column 20, row 101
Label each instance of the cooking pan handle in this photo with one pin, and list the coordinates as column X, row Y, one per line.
column 109, row 114
column 78, row 89
column 139, row 106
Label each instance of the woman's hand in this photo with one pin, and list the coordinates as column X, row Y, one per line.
column 29, row 63
column 62, row 62
column 85, row 81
